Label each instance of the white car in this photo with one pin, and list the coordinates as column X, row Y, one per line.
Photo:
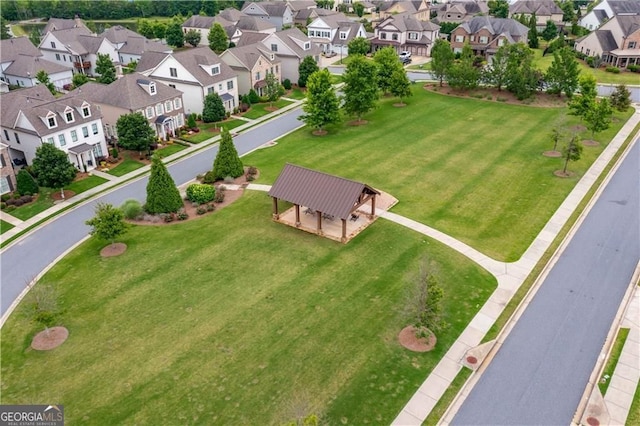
column 404, row 54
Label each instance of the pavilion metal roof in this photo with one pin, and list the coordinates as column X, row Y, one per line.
column 319, row 191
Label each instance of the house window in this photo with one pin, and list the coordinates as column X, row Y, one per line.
column 68, row 116
column 167, row 106
column 501, row 42
column 86, row 112
column 85, row 131
column 413, row 36
column 6, row 135
column 94, row 128
column 152, row 88
column 383, row 36
column 258, row 76
column 172, row 86
column 158, row 109
column 484, row 39
column 4, row 182
column 277, row 70
column 177, row 103
column 343, row 35
column 219, row 87
column 17, row 137
column 180, row 120
column 274, row 47
column 210, row 90
column 215, row 70
column 63, row 142
column 149, row 112
column 97, row 150
column 307, row 46
column 74, row 136
column 394, row 36
column 472, row 38
column 64, row 58
column 632, row 45
column 57, row 56
column 312, row 33
column 53, row 44
column 459, row 39
column 588, row 51
column 50, row 140
column 173, row 72
column 230, row 85
column 51, row 121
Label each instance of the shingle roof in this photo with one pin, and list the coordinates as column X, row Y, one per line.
column 250, row 38
column 29, row 66
column 62, row 24
column 408, row 6
column 606, row 40
column 191, row 59
column 251, row 23
column 334, row 20
column 296, row 5
column 629, row 24
column 495, row 26
column 75, row 39
column 150, row 60
column 249, row 55
column 119, row 34
column 539, row 7
column 11, row 103
column 289, row 36
column 231, row 14
column 352, row 30
column 12, row 47
column 139, row 45
column 127, row 93
column 197, row 21
column 319, row 191
column 624, row 7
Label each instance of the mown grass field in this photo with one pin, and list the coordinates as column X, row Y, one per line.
column 470, row 168
column 235, row 319
column 264, row 108
column 5, row 226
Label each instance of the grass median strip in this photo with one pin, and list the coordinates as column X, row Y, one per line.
column 612, row 360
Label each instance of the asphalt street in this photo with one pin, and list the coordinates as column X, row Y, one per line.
column 24, row 260
column 541, row 371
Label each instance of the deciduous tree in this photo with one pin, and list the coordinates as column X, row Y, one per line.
column 174, row 34
column 43, row 78
column 213, row 109
column 388, row 62
column 105, row 68
column 360, row 89
column 533, row 32
column 107, row 223
column 442, row 58
column 463, row 74
column 162, row 194
column 571, row 152
column 495, row 73
column 598, row 118
column 563, row 73
column 400, row 84
column 193, row 37
column 359, row 46
column 550, row 31
column 4, row 29
column 582, row 103
column 621, row 98
column 307, row 67
column 53, row 168
column 218, row 41
column 227, row 161
column 522, row 78
column 134, row 132
column 25, row 183
column 499, row 8
column 79, row 79
column 424, row 303
column 322, row 106
column 273, row 88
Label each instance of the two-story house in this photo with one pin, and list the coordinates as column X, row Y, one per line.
column 616, row 42
column 332, row 33
column 607, row 9
column 33, row 116
column 130, row 45
column 20, row 62
column 486, row 35
column 196, row 73
column 406, row 33
column 544, row 10
column 78, row 48
column 252, row 63
column 419, row 9
column 461, row 10
column 160, row 104
column 277, row 12
column 234, row 22
column 7, row 174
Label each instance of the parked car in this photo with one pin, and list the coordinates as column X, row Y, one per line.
column 405, row 54
column 329, row 54
column 405, row 60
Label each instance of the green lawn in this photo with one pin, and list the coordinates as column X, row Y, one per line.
column 169, row 150
column 85, row 184
column 210, row 130
column 634, row 411
column 127, row 166
column 5, row 226
column 296, row 93
column 470, row 168
column 612, row 360
column 235, row 319
column 259, row 110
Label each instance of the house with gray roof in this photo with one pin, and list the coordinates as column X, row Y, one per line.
column 461, row 10
column 616, row 42
column 77, row 48
column 130, row 45
column 56, row 24
column 277, row 12
column 332, row 33
column 607, row 9
column 291, row 47
column 7, row 174
column 418, row 8
column 32, row 116
column 20, row 61
column 196, row 73
column 486, row 35
column 160, row 104
column 404, row 32
column 252, row 63
column 234, row 22
column 544, row 10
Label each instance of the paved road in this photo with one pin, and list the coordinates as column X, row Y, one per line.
column 27, row 258
column 542, row 369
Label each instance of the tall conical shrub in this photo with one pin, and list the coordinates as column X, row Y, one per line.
column 162, row 193
column 26, row 183
column 227, row 162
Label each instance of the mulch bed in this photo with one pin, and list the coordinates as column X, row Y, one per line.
column 319, row 132
column 561, row 174
column 55, row 195
column 49, row 339
column 554, row 154
column 490, row 94
column 590, row 142
column 409, row 340
column 358, row 122
column 115, row 249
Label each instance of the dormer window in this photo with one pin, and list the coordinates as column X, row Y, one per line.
column 68, row 115
column 343, row 35
column 51, row 121
column 307, row 46
column 273, row 56
column 274, row 47
column 86, row 112
column 215, row 70
column 152, row 88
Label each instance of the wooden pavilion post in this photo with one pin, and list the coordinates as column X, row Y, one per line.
column 276, row 215
column 373, row 206
column 319, row 222
column 344, row 231
column 297, row 215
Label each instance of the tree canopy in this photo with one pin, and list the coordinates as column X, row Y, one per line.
column 360, row 88
column 174, row 34
column 463, row 74
column 4, row 29
column 522, row 78
column 499, row 8
column 550, row 31
column 442, row 58
column 400, row 84
column 359, row 46
column 107, row 223
column 495, row 73
column 43, row 78
column 162, row 194
column 52, row 167
column 562, row 75
column 322, row 106
column 105, row 68
column 388, row 62
column 217, row 38
column 621, row 98
column 134, row 132
column 227, row 161
column 582, row 103
column 193, row 37
column 307, row 67
column 273, row 88
column 213, row 109
column 598, row 117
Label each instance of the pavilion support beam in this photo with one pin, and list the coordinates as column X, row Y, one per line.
column 373, row 207
column 297, row 215
column 319, row 214
column 276, row 215
column 344, row 231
